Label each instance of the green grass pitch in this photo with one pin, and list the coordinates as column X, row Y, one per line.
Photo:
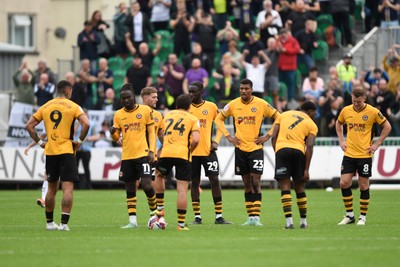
column 96, row 239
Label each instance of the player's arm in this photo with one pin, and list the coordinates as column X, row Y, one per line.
column 275, row 132
column 30, row 127
column 217, row 139
column 160, row 136
column 194, row 140
column 339, row 132
column 220, row 122
column 85, row 125
column 309, row 153
column 386, row 128
column 151, row 137
column 42, row 137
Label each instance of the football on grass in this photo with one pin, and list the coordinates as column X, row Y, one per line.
column 156, row 223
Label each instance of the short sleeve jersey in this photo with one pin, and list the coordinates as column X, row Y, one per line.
column 294, row 127
column 158, row 124
column 206, row 113
column 59, row 116
column 133, row 126
column 248, row 119
column 178, row 128
column 360, row 125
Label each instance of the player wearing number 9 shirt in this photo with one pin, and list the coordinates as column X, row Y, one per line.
column 59, row 116
column 135, row 123
column 293, row 138
column 248, row 112
column 181, row 137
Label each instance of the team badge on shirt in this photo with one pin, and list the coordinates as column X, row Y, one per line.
column 205, row 112
column 253, row 109
column 156, row 119
column 139, row 116
column 365, row 118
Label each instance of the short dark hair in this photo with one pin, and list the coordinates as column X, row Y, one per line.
column 61, row 86
column 127, row 87
column 183, row 102
column 247, row 81
column 377, row 70
column 313, row 68
column 358, row 92
column 308, row 105
column 198, row 85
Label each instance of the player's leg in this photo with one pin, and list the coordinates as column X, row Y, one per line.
column 45, row 187
column 127, row 176
column 163, row 168
column 241, row 168
column 364, row 172
column 86, row 155
column 348, row 170
column 286, row 201
column 53, row 171
column 194, row 189
column 301, row 199
column 143, row 169
column 256, row 167
column 183, row 170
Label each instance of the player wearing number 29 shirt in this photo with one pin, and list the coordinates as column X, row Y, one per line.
column 248, row 113
column 135, row 123
column 59, row 116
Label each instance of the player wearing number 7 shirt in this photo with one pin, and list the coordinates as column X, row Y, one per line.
column 293, row 138
column 248, row 112
column 135, row 123
column 59, row 115
column 181, row 137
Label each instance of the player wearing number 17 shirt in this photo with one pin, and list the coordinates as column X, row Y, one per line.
column 358, row 148
column 248, row 112
column 135, row 123
column 59, row 115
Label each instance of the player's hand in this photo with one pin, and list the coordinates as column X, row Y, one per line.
column 233, row 140
column 214, row 146
column 343, row 147
column 306, row 176
column 43, row 145
column 151, row 157
column 371, row 150
column 26, row 151
column 261, row 139
column 112, row 130
column 76, row 145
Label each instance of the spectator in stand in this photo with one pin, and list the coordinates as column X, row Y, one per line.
column 234, row 54
column 160, row 14
column 174, row 74
column 78, row 91
column 330, row 103
column 253, row 45
column 139, row 76
column 298, row 17
column 393, row 68
column 225, row 36
column 333, row 73
column 161, row 87
column 227, row 60
column 195, row 74
column 313, row 87
column 120, row 29
column 340, row 10
column 347, row 73
column 308, row 41
column 288, row 48
column 220, row 12
column 86, row 78
column 43, row 68
column 389, row 12
column 268, row 22
column 313, row 77
column 313, row 6
column 44, row 90
column 385, row 99
column 104, row 79
column 284, row 7
column 24, row 83
column 246, row 18
column 144, row 6
column 182, row 24
column 197, row 53
column 206, row 33
column 227, row 87
column 88, row 40
column 272, row 76
column 138, row 25
column 372, row 16
column 110, row 102
column 144, row 51
column 256, row 71
column 102, row 142
column 374, row 75
column 99, row 26
column 394, row 112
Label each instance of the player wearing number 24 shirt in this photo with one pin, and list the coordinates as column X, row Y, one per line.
column 59, row 116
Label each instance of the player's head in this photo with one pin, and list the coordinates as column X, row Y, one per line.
column 358, row 97
column 127, row 96
column 195, row 91
column 64, row 89
column 183, row 102
column 149, row 96
column 309, row 108
column 246, row 89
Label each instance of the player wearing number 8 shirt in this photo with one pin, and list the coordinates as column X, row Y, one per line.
column 59, row 115
column 204, row 154
column 248, row 112
column 293, row 138
column 181, row 136
column 358, row 148
column 135, row 123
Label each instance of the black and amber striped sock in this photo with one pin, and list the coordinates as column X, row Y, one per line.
column 160, row 201
column 347, row 197
column 196, row 207
column 181, row 217
column 151, row 199
column 364, row 201
column 302, row 204
column 286, row 199
column 249, row 203
column 257, row 204
column 131, row 203
column 49, row 216
column 64, row 218
column 218, row 206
